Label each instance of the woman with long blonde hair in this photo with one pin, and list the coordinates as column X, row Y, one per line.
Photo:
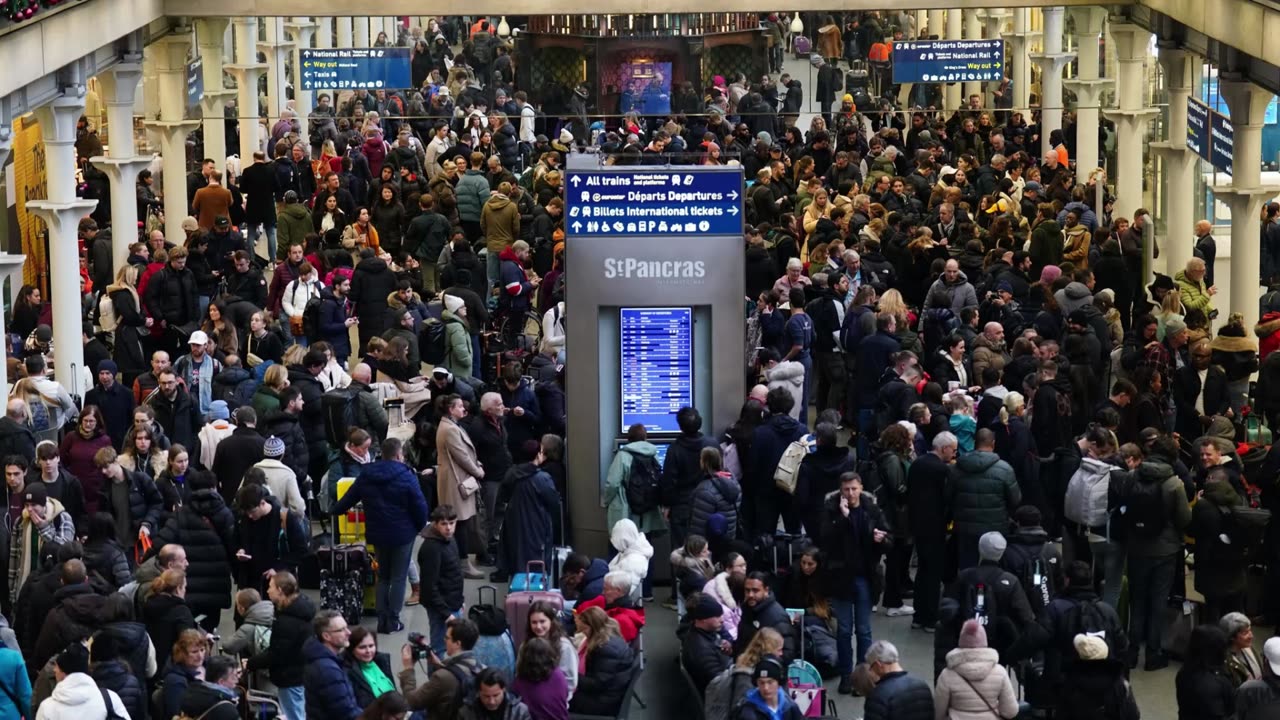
column 1170, row 309
column 130, row 323
column 605, row 665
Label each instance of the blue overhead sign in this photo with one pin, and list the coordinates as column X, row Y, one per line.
column 642, row 201
column 944, row 61
column 1198, row 128
column 356, row 69
column 195, row 82
column 1221, row 142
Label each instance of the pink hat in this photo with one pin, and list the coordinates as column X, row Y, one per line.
column 972, row 635
column 1050, row 273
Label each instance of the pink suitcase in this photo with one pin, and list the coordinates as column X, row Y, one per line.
column 518, row 604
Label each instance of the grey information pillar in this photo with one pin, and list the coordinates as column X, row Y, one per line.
column 702, row 272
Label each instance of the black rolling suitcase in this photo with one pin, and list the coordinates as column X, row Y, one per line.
column 857, row 78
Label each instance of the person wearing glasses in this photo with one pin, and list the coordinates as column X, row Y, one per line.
column 328, row 690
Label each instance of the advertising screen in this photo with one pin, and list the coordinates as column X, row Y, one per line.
column 656, row 366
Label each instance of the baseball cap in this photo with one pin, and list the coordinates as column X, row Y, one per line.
column 1033, row 185
column 36, row 495
column 1271, row 651
column 198, row 338
column 221, row 221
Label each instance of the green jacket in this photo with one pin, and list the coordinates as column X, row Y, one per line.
column 472, row 192
column 615, row 494
column 293, row 224
column 982, row 494
column 500, row 223
column 1178, row 510
column 457, row 344
column 1194, row 293
column 1046, row 245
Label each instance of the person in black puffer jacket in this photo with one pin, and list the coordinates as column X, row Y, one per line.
column 205, row 527
column 287, row 425
column 897, row 695
column 311, row 419
column 761, row 609
column 371, row 282
column 820, row 473
column 130, row 636
column 681, row 472
column 609, row 664
column 717, row 494
column 110, row 669
column 273, row 543
column 103, row 555
column 441, row 572
column 504, row 137
column 290, row 630
column 76, row 613
column 768, row 444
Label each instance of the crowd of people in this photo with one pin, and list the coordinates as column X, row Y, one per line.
column 965, row 393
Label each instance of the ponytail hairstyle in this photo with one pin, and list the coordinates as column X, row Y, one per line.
column 1012, row 403
column 1100, row 437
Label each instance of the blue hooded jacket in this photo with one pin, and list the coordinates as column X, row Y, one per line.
column 393, row 502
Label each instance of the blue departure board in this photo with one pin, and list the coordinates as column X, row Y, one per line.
column 656, row 366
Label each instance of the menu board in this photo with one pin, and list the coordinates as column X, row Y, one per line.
column 656, row 366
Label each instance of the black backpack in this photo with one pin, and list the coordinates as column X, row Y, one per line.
column 431, row 342
column 1144, row 508
column 979, row 603
column 311, row 319
column 339, row 409
column 1087, row 618
column 643, row 489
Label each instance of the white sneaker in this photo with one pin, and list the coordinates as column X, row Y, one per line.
column 900, row 611
column 875, row 608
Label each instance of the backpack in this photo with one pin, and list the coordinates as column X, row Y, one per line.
column 431, row 342
column 338, row 406
column 787, row 473
column 851, row 331
column 466, row 687
column 643, row 489
column 260, row 640
column 718, row 698
column 107, row 313
column 40, row 420
column 1086, row 500
column 1247, row 524
column 1035, row 579
column 311, row 319
column 111, row 707
column 1144, row 508
column 979, row 603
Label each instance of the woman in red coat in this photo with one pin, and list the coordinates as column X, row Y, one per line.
column 77, row 451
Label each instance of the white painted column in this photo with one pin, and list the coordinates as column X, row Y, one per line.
column 1087, row 87
column 1051, row 62
column 951, row 91
column 1179, row 162
column 360, row 32
column 170, row 54
column 209, row 35
column 302, row 31
column 247, row 70
column 122, row 164
column 324, row 32
column 1248, row 105
column 276, row 49
column 345, row 28
column 972, row 31
column 62, row 212
column 10, row 263
column 1131, row 117
column 935, row 25
column 1020, row 59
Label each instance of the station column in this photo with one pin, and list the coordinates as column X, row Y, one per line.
column 170, row 53
column 972, row 31
column 122, row 163
column 1130, row 117
column 1020, row 59
column 61, row 212
column 936, row 25
column 1248, row 105
column 210, row 33
column 1051, row 62
column 360, row 32
column 1087, row 87
column 951, row 97
column 302, row 30
column 345, row 27
column 276, row 49
column 324, row 32
column 1180, row 162
column 247, row 70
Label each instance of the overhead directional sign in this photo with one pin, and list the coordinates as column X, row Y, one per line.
column 1221, row 142
column 1198, row 127
column 385, row 68
column 195, row 82
column 935, row 61
column 642, row 201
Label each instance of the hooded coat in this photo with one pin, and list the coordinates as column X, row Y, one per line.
column 961, row 291
column 615, row 489
column 533, row 515
column 290, row 632
column 983, row 493
column 717, row 494
column 972, row 684
column 205, row 527
column 393, row 502
column 77, row 697
column 1220, row 566
column 634, row 550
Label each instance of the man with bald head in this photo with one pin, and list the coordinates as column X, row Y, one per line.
column 758, row 393
column 989, row 349
column 1206, row 249
column 16, row 437
column 370, row 414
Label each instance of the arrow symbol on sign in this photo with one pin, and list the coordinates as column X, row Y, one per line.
column 733, row 194
column 306, row 64
column 306, row 74
column 577, row 180
column 577, row 226
column 733, row 209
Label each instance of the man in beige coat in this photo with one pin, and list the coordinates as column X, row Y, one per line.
column 458, row 477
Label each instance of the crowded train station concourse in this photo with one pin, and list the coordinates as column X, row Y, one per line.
column 861, row 362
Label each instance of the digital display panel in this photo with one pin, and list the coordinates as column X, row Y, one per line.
column 656, row 366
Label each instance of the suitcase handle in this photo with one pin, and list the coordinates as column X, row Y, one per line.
column 492, row 590
column 528, row 568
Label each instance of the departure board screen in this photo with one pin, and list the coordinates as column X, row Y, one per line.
column 656, row 366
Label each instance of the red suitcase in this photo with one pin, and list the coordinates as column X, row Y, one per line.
column 518, row 604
